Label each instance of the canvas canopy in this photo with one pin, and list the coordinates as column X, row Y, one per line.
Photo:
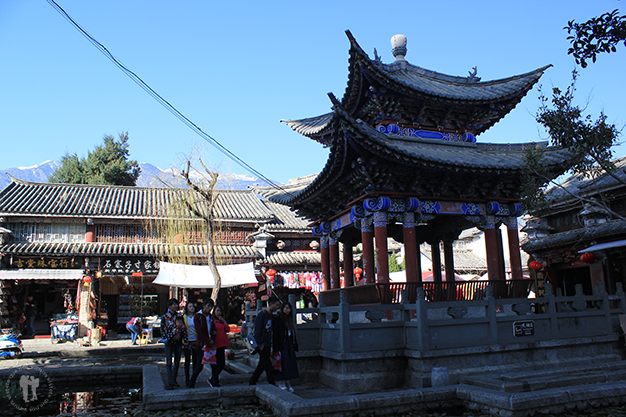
column 200, row 276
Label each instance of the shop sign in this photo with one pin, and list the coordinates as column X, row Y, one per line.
column 524, row 328
column 45, row 263
column 124, row 265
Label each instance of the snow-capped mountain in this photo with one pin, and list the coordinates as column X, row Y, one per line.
column 35, row 173
column 151, row 176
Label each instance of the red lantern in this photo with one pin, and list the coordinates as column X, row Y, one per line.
column 536, row 265
column 87, row 279
column 270, row 273
column 357, row 272
column 588, row 257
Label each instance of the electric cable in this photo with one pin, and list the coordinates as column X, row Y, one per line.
column 208, row 138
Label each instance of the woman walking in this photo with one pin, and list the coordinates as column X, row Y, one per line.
column 285, row 342
column 189, row 349
column 221, row 343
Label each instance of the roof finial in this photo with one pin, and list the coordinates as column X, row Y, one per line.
column 398, row 47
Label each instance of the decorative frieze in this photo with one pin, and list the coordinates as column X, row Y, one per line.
column 415, row 132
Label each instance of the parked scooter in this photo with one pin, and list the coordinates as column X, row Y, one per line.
column 10, row 345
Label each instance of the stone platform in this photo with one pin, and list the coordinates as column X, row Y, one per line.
column 530, row 389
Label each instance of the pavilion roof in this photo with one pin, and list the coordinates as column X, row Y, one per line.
column 418, row 96
column 461, row 164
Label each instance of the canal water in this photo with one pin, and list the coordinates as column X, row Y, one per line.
column 127, row 401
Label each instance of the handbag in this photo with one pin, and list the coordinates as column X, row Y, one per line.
column 276, row 361
column 210, row 356
column 251, row 342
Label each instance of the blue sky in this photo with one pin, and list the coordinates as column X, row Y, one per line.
column 235, row 68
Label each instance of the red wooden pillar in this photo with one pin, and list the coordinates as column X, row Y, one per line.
column 448, row 257
column 382, row 255
column 90, row 233
column 514, row 253
column 491, row 246
column 367, row 240
column 348, row 266
column 333, row 255
column 325, row 262
column 436, row 259
column 411, row 250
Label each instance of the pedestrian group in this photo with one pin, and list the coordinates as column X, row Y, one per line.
column 202, row 337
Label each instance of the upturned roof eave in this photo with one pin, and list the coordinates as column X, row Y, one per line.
column 363, row 58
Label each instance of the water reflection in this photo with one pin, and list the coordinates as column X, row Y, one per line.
column 95, row 401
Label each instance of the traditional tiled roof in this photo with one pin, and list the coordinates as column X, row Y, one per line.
column 286, row 220
column 421, row 96
column 125, row 249
column 293, row 258
column 312, row 126
column 466, row 160
column 459, row 88
column 573, row 238
column 568, row 192
column 292, row 186
column 464, row 260
column 22, row 198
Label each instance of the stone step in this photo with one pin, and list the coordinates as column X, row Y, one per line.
column 597, row 370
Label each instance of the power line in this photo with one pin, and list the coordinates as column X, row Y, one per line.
column 228, row 153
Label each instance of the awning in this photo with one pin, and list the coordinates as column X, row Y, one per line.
column 64, row 274
column 200, row 276
column 602, row 246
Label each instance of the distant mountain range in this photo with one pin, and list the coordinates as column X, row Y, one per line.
column 151, row 176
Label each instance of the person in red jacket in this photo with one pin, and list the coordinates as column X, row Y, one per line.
column 221, row 343
column 203, row 323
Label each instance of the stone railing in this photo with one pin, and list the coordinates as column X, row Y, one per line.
column 424, row 325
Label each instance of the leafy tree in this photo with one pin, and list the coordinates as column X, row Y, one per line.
column 590, row 143
column 107, row 164
column 597, row 35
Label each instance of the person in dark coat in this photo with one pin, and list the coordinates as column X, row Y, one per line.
column 30, row 311
column 263, row 335
column 205, row 337
column 285, row 342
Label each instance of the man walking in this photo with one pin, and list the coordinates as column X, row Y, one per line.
column 204, row 337
column 263, row 335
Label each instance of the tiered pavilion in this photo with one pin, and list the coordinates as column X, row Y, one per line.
column 404, row 163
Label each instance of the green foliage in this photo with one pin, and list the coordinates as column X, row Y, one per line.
column 107, row 164
column 590, row 143
column 394, row 266
column 597, row 35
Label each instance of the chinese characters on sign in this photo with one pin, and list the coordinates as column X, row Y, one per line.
column 123, row 265
column 523, row 328
column 47, row 263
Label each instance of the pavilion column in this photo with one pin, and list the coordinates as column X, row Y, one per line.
column 448, row 256
column 411, row 250
column 380, row 236
column 436, row 259
column 348, row 266
column 514, row 253
column 325, row 262
column 333, row 256
column 367, row 240
column 491, row 246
